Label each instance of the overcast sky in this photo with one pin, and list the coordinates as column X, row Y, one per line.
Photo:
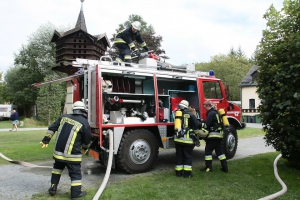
column 192, row 30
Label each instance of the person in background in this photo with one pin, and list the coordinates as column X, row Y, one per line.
column 124, row 42
column 214, row 138
column 73, row 139
column 14, row 118
column 185, row 125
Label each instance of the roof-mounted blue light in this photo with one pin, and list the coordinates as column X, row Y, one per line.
column 211, row 73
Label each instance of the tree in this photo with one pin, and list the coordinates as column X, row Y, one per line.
column 32, row 64
column 148, row 34
column 278, row 56
column 231, row 68
column 49, row 102
column 4, row 98
column 18, row 81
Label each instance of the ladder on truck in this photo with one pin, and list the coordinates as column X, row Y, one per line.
column 140, row 70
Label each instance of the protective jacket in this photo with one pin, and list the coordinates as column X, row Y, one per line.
column 73, row 132
column 189, row 124
column 126, row 36
column 213, row 124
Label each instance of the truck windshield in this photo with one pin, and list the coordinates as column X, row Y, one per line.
column 212, row 90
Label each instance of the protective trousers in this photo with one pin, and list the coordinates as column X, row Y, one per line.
column 124, row 54
column 211, row 145
column 74, row 173
column 184, row 159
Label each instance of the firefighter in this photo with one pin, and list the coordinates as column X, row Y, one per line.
column 124, row 42
column 185, row 125
column 73, row 139
column 213, row 138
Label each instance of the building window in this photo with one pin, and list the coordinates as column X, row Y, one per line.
column 251, row 103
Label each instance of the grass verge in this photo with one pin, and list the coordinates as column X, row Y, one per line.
column 28, row 123
column 250, row 132
column 24, row 145
column 249, row 178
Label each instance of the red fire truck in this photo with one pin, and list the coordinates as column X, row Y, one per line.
column 136, row 104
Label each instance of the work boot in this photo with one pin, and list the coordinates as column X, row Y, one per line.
column 179, row 173
column 224, row 166
column 81, row 194
column 206, row 169
column 187, row 174
column 52, row 189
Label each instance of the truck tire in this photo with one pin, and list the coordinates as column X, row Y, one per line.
column 230, row 142
column 138, row 151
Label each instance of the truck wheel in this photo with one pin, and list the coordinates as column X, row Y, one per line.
column 138, row 151
column 230, row 142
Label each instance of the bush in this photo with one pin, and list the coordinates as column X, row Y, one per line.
column 278, row 56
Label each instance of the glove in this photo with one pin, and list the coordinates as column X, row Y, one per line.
column 46, row 140
column 84, row 150
column 137, row 53
column 146, row 48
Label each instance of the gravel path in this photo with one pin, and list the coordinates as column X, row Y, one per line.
column 20, row 183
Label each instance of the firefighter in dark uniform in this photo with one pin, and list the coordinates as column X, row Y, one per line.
column 185, row 125
column 124, row 42
column 73, row 139
column 213, row 138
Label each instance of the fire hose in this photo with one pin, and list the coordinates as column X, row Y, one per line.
column 109, row 164
column 116, row 99
column 25, row 164
column 284, row 188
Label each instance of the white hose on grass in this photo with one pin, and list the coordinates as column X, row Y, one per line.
column 108, row 169
column 284, row 188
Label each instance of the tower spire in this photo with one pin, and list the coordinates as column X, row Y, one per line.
column 81, row 21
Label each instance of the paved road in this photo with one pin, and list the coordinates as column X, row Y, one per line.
column 252, row 125
column 22, row 129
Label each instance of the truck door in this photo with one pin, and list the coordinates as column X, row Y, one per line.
column 212, row 90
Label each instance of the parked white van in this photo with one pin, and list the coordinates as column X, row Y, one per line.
column 5, row 110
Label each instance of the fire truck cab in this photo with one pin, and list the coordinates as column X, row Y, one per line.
column 137, row 103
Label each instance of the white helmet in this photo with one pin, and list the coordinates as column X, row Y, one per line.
column 136, row 25
column 183, row 104
column 78, row 105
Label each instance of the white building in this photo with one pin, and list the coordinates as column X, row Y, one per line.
column 249, row 97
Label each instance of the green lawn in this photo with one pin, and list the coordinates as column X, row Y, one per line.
column 28, row 123
column 250, row 132
column 248, row 178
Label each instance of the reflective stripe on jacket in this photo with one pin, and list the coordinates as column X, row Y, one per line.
column 185, row 139
column 73, row 132
column 126, row 36
column 185, row 120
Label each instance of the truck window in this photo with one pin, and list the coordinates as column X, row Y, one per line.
column 212, row 90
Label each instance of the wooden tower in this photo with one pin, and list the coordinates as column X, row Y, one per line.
column 77, row 43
